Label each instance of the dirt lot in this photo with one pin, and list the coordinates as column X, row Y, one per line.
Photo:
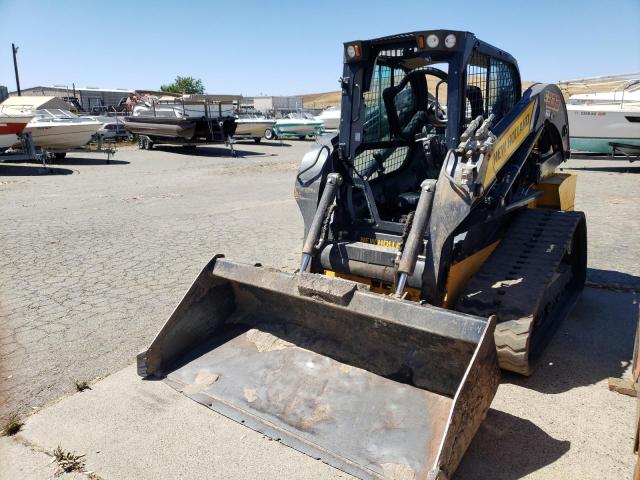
column 95, row 257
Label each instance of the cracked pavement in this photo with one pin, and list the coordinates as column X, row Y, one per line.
column 96, row 256
column 94, row 261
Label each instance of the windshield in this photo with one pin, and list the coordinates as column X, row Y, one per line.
column 401, row 102
column 54, row 113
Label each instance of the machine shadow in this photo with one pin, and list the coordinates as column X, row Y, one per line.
column 274, row 143
column 594, row 343
column 501, row 450
column 209, row 151
column 31, row 170
column 86, row 161
column 624, row 169
column 612, row 280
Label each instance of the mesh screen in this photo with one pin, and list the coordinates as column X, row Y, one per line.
column 376, row 124
column 476, row 87
column 502, row 88
column 490, row 88
column 369, row 162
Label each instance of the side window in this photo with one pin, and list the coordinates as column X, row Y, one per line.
column 376, row 123
column 502, row 88
column 490, row 88
column 476, row 87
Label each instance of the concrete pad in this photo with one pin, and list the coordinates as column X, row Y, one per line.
column 19, row 461
column 563, row 422
column 129, row 428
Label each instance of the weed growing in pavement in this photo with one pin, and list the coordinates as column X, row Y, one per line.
column 67, row 461
column 12, row 425
column 81, row 385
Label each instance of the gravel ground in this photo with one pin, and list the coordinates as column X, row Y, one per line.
column 96, row 255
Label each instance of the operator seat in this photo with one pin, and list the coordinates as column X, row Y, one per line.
column 433, row 155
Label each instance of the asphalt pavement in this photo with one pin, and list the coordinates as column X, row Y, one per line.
column 96, row 256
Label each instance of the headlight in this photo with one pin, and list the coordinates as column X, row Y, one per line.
column 353, row 51
column 433, row 41
column 450, row 41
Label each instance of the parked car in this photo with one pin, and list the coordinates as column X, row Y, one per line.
column 113, row 130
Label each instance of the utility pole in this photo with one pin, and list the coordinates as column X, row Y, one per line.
column 14, row 49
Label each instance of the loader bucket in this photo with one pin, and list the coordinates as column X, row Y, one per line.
column 376, row 386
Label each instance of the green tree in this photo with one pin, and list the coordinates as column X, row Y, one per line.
column 187, row 85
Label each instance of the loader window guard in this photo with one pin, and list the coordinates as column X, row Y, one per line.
column 491, row 88
column 396, row 106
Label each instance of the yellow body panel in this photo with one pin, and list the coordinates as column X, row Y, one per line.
column 508, row 143
column 461, row 272
column 559, row 191
column 375, row 285
column 459, row 275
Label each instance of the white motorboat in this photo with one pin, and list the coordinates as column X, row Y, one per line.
column 598, row 122
column 330, row 117
column 10, row 126
column 58, row 129
column 55, row 129
column 253, row 125
column 628, row 94
column 298, row 125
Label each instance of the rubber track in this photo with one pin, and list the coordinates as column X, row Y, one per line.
column 513, row 281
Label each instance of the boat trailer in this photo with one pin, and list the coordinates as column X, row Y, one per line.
column 28, row 152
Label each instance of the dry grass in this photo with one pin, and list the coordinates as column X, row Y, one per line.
column 328, row 99
column 12, row 425
column 67, row 461
column 81, row 385
column 322, row 100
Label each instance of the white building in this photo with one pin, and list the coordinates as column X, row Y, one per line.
column 89, row 98
column 269, row 104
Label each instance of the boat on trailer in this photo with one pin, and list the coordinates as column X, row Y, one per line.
column 253, row 125
column 186, row 122
column 298, row 125
column 606, row 122
column 57, row 129
column 330, row 118
column 10, row 127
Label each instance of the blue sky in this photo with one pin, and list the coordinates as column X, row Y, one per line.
column 290, row 47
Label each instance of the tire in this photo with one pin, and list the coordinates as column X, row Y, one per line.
column 149, row 145
column 302, row 137
column 257, row 139
column 140, row 143
column 269, row 134
column 60, row 155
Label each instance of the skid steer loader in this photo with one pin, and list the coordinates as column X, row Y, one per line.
column 439, row 243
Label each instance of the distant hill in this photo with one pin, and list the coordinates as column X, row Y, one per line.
column 322, row 100
column 329, row 99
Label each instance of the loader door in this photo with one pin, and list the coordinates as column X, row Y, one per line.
column 401, row 105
